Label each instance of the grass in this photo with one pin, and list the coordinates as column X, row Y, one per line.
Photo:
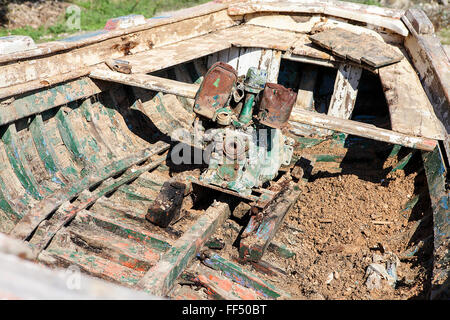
column 444, row 34
column 95, row 13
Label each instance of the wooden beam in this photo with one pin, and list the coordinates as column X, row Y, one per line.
column 148, row 82
column 253, row 246
column 379, row 17
column 361, row 129
column 35, row 215
column 345, row 91
column 161, row 277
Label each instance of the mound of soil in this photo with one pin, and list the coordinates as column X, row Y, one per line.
column 33, row 14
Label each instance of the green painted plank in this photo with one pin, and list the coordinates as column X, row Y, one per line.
column 160, row 278
column 435, row 172
column 69, row 137
column 123, row 229
column 96, row 266
column 243, row 277
column 46, row 151
column 17, row 161
column 48, row 228
column 42, row 100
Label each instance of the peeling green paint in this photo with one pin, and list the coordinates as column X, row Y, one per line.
column 15, row 157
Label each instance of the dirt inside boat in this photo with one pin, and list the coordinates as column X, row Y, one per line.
column 77, row 179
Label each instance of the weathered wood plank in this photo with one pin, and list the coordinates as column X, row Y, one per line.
column 410, row 110
column 93, row 265
column 89, row 54
column 381, row 17
column 345, row 91
column 359, row 48
column 29, row 104
column 46, row 151
column 33, row 217
column 148, row 82
column 248, row 57
column 48, row 228
column 126, row 229
column 253, row 246
column 432, row 63
column 183, row 51
column 361, row 129
column 244, row 277
column 19, row 164
column 160, row 278
column 436, row 173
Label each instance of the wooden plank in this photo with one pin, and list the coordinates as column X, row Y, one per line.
column 361, row 129
column 410, row 110
column 30, row 104
column 33, row 217
column 187, row 50
column 161, row 277
column 345, row 91
column 148, row 82
column 46, row 151
column 245, row 278
column 367, row 14
column 28, row 280
column 233, row 57
column 220, row 287
column 126, row 228
column 418, row 20
column 81, row 55
column 274, row 69
column 95, row 266
column 183, row 51
column 360, row 48
column 48, row 228
column 254, row 244
column 248, row 57
column 19, row 164
column 432, row 63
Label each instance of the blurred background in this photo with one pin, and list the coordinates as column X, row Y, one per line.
column 46, row 20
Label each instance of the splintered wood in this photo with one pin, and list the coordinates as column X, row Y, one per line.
column 410, row 110
column 359, row 48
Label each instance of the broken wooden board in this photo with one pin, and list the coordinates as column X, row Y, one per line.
column 345, row 91
column 241, row 59
column 361, row 129
column 436, row 172
column 187, row 50
column 410, row 110
column 147, row 82
column 71, row 55
column 254, row 244
column 161, row 277
column 359, row 48
column 376, row 16
column 243, row 277
column 46, row 206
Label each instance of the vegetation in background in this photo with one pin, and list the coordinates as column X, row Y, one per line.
column 95, row 13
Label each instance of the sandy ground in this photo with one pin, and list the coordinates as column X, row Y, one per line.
column 334, row 229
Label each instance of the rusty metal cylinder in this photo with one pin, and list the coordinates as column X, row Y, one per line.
column 216, row 89
column 276, row 105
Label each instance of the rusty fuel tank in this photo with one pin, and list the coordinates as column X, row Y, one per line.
column 276, row 105
column 215, row 90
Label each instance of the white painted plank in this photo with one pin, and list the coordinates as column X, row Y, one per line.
column 249, row 57
column 345, row 91
column 233, row 57
column 274, row 70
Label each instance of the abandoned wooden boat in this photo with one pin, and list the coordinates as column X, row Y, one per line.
column 89, row 125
